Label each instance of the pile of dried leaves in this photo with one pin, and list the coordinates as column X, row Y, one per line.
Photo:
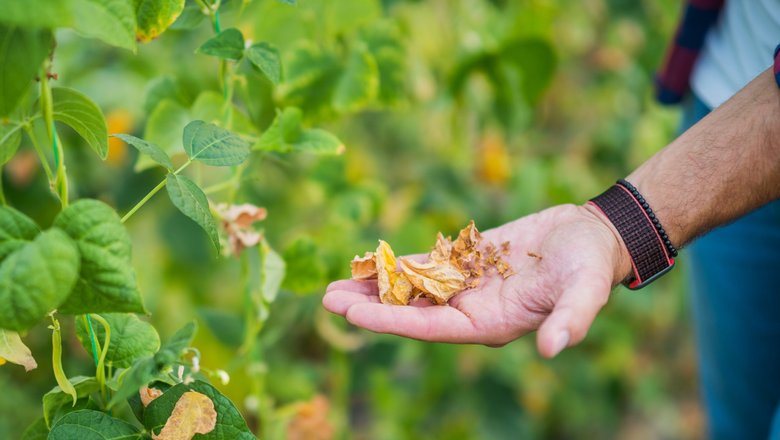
column 451, row 267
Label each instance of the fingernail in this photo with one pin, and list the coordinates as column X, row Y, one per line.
column 560, row 342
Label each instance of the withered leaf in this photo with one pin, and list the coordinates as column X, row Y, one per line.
column 364, row 268
column 442, row 250
column 402, row 290
column 193, row 413
column 385, row 268
column 440, row 281
column 148, row 394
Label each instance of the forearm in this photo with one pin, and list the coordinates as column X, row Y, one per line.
column 721, row 168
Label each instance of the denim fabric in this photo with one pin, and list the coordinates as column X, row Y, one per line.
column 734, row 276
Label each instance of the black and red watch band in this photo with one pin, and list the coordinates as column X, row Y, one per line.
column 648, row 245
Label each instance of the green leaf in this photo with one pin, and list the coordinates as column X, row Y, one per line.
column 150, row 368
column 36, row 279
column 163, row 128
column 228, row 44
column 153, row 17
column 92, row 425
column 286, row 135
column 386, row 46
column 107, row 280
column 536, row 60
column 16, row 229
column 153, row 151
column 265, row 57
column 213, row 145
column 359, row 84
column 190, row 18
column 21, row 53
column 131, row 338
column 112, row 21
column 230, row 424
column 227, row 327
column 13, row 350
column 190, row 200
column 10, row 138
column 310, row 77
column 81, row 114
column 36, row 431
column 303, row 259
column 209, row 106
column 57, row 403
column 142, row 372
column 176, row 345
column 160, row 88
column 46, row 14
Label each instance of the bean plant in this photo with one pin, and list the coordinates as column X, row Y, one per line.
column 79, row 270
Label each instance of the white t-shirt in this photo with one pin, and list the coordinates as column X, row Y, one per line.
column 737, row 48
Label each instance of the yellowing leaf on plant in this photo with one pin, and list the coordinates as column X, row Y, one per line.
column 193, row 413
column 364, row 268
column 237, row 220
column 13, row 350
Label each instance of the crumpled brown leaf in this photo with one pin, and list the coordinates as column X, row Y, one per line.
column 451, row 267
column 148, row 394
column 193, row 413
column 364, row 268
column 439, row 280
column 237, row 220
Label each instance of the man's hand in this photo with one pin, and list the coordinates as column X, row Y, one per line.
column 566, row 259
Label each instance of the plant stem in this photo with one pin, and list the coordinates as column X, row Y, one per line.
column 92, row 338
column 100, row 373
column 154, row 191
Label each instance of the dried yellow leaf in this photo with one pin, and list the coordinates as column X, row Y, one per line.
column 442, row 250
column 364, row 268
column 439, row 280
column 386, row 274
column 193, row 413
column 148, row 394
column 402, row 290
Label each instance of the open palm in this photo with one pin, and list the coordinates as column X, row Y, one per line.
column 566, row 260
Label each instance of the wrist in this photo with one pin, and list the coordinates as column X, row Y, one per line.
column 621, row 259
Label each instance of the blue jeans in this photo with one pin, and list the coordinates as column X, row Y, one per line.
column 734, row 274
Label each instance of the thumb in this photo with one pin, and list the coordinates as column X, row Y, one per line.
column 573, row 314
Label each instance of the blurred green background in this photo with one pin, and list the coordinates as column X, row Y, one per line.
column 487, row 110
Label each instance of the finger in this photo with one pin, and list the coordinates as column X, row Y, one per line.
column 366, row 287
column 436, row 324
column 573, row 314
column 339, row 301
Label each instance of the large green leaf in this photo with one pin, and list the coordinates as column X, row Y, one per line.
column 83, row 115
column 21, row 53
column 107, row 280
column 213, row 145
column 153, row 151
column 57, row 403
column 192, row 202
column 131, row 338
column 265, row 57
column 112, row 21
column 310, row 77
column 286, row 134
column 160, row 88
column 150, row 368
column 37, row 13
column 10, row 138
column 154, row 16
column 13, row 350
column 230, row 424
column 228, row 44
column 302, row 258
column 359, row 84
column 16, row 229
column 92, row 425
column 36, row 279
column 536, row 60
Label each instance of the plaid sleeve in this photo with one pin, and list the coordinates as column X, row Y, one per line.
column 673, row 79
